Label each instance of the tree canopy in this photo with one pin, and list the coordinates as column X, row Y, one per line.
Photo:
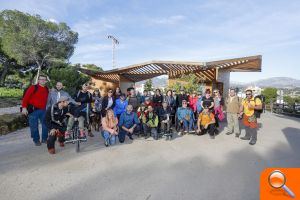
column 270, row 94
column 31, row 40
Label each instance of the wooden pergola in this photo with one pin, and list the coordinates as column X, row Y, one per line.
column 175, row 69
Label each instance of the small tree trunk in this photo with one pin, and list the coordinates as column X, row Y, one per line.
column 4, row 73
column 38, row 74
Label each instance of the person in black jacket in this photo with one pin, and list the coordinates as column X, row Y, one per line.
column 108, row 102
column 158, row 98
column 83, row 111
column 165, row 120
column 55, row 122
column 180, row 97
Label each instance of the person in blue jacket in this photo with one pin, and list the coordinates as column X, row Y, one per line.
column 128, row 124
column 120, row 106
column 185, row 117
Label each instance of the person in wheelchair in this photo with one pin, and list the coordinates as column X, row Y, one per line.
column 165, row 119
column 81, row 111
column 110, row 128
column 150, row 123
column 206, row 123
column 128, row 124
column 185, row 118
column 55, row 122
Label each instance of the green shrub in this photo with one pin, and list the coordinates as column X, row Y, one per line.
column 11, row 93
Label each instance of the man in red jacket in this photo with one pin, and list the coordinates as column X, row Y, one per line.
column 34, row 105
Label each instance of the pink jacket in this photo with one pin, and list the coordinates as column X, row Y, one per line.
column 193, row 103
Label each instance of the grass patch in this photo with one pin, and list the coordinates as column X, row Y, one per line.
column 11, row 93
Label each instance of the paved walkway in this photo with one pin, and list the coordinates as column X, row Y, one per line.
column 187, row 168
column 9, row 110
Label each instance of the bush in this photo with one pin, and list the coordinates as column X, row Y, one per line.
column 11, row 93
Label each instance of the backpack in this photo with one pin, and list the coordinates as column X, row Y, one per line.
column 257, row 112
column 34, row 91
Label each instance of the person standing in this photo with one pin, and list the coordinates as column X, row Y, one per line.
column 133, row 100
column 117, row 93
column 218, row 107
column 208, row 101
column 249, row 118
column 120, row 106
column 158, row 98
column 34, row 105
column 233, row 104
column 193, row 103
column 180, row 97
column 55, row 94
column 108, row 102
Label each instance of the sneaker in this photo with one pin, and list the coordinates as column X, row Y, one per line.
column 90, row 134
column 106, row 143
column 252, row 142
column 212, row 137
column 38, row 143
column 130, row 137
column 237, row 135
column 51, row 151
column 245, row 138
column 228, row 133
column 179, row 133
column 44, row 141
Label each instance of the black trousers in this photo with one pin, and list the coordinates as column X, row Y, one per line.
column 210, row 129
column 58, row 135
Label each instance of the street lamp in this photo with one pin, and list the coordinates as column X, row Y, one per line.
column 114, row 43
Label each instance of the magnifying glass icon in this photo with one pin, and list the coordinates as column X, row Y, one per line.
column 277, row 180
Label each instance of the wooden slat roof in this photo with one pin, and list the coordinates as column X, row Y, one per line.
column 174, row 69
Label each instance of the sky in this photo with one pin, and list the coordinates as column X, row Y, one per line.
column 191, row 30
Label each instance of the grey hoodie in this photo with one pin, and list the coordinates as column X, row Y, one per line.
column 54, row 95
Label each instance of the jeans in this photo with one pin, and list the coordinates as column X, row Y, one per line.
column 152, row 131
column 108, row 137
column 210, row 129
column 188, row 125
column 34, row 118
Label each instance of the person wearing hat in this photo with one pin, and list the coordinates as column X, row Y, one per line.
column 180, row 97
column 206, row 123
column 247, row 112
column 55, row 116
column 120, row 106
column 185, row 117
column 150, row 123
column 56, row 93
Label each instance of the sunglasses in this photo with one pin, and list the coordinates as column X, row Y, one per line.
column 215, row 92
column 110, row 92
column 248, row 94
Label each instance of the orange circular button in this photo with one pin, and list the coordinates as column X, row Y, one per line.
column 277, row 179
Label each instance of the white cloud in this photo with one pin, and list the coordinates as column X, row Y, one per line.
column 172, row 20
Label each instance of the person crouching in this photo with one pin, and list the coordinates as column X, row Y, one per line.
column 55, row 116
column 128, row 124
column 110, row 128
column 150, row 123
column 206, row 123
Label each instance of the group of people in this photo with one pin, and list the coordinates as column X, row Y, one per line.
column 120, row 115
